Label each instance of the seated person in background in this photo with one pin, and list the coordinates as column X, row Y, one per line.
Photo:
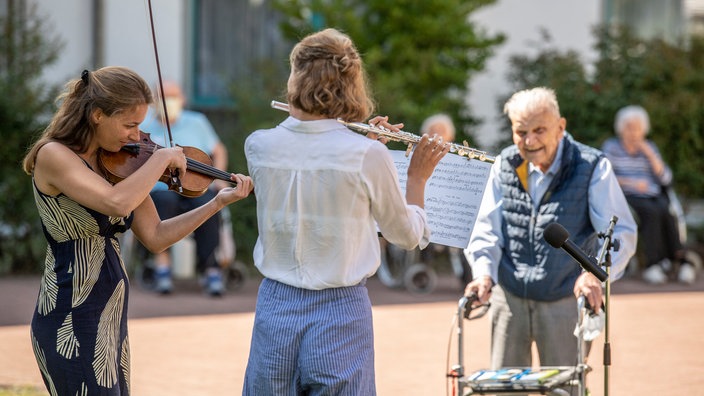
column 188, row 128
column 441, row 125
column 643, row 176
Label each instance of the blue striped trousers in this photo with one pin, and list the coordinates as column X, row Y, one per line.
column 311, row 342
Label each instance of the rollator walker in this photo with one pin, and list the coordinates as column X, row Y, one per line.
column 544, row 380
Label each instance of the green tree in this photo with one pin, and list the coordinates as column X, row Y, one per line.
column 419, row 55
column 26, row 52
column 417, row 66
column 667, row 80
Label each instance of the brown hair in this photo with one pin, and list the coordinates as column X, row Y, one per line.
column 328, row 77
column 111, row 89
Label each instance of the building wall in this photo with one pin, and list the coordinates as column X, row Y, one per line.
column 127, row 41
column 569, row 23
column 126, row 36
column 71, row 20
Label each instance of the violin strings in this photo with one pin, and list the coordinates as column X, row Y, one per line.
column 195, row 165
column 207, row 169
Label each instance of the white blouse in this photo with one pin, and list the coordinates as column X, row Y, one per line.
column 322, row 194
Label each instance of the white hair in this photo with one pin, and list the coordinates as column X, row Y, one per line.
column 438, row 119
column 530, row 101
column 628, row 113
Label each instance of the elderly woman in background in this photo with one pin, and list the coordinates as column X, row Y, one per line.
column 643, row 176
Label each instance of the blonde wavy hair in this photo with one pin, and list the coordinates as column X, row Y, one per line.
column 328, row 77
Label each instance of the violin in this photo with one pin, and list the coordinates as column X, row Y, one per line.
column 119, row 165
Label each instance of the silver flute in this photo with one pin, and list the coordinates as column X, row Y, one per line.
column 404, row 137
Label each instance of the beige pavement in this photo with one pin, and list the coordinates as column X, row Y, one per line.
column 657, row 340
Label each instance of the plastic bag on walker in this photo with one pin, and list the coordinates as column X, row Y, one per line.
column 592, row 325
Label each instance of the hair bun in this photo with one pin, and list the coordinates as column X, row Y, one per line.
column 85, row 76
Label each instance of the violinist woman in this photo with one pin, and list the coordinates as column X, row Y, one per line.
column 79, row 328
column 322, row 190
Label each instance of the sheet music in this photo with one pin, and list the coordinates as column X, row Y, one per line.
column 452, row 196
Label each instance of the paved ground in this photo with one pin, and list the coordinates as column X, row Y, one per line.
column 189, row 344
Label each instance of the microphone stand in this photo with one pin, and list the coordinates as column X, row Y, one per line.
column 605, row 261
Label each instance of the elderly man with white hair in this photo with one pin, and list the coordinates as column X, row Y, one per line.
column 545, row 177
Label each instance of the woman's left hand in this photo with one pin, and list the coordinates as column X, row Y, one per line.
column 233, row 194
column 382, row 122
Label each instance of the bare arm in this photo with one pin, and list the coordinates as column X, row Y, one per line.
column 157, row 235
column 60, row 170
column 656, row 163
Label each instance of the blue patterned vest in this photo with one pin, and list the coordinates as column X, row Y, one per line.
column 530, row 267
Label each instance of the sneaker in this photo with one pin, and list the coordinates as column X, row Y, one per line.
column 214, row 284
column 666, row 265
column 162, row 280
column 654, row 275
column 687, row 273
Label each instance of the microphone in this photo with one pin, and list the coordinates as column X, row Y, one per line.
column 557, row 236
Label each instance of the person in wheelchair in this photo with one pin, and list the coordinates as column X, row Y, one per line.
column 645, row 179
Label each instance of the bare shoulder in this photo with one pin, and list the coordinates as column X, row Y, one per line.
column 53, row 149
column 54, row 162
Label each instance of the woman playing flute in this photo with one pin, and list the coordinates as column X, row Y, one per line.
column 322, row 193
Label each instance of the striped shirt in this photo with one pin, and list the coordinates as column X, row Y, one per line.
column 633, row 169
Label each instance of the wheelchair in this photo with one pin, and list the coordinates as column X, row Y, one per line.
column 544, row 380
column 414, row 270
column 138, row 260
column 677, row 212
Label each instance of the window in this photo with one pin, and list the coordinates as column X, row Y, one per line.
column 648, row 18
column 231, row 39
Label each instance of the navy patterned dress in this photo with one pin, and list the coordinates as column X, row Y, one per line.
column 79, row 328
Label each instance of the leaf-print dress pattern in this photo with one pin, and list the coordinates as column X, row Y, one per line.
column 79, row 328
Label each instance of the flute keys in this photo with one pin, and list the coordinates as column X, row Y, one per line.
column 409, row 149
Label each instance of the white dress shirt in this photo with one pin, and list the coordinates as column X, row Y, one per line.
column 605, row 200
column 322, row 191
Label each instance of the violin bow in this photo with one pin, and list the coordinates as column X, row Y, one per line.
column 175, row 180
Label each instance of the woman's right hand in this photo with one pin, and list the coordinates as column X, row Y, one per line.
column 176, row 159
column 426, row 156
